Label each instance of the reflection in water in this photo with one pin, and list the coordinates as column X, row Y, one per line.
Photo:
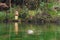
column 16, row 27
column 36, row 32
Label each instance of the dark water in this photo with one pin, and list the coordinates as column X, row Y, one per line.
column 19, row 31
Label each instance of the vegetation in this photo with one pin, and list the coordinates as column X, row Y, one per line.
column 41, row 13
column 46, row 11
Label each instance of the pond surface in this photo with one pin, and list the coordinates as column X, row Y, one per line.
column 23, row 31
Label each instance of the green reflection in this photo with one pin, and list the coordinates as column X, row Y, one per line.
column 41, row 32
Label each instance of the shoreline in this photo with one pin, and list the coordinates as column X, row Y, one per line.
column 29, row 22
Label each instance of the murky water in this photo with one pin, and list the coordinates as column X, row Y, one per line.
column 23, row 31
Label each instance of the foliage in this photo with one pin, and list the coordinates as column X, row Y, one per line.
column 25, row 12
column 2, row 16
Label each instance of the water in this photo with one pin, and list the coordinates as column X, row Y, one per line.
column 19, row 31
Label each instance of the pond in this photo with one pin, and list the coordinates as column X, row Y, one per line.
column 24, row 31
